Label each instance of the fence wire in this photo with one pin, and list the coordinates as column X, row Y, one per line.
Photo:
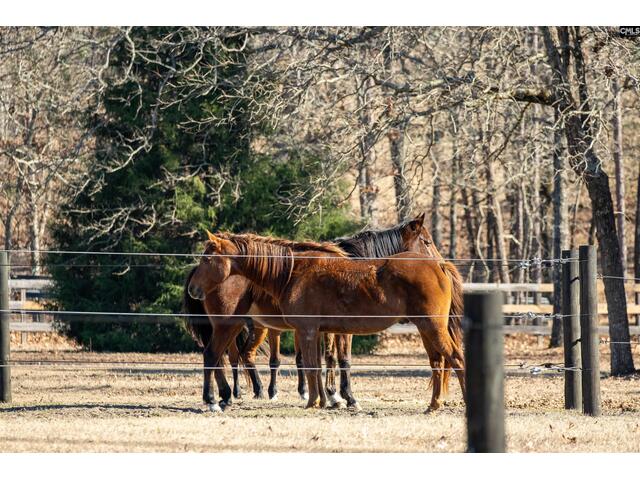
column 523, row 367
column 520, row 262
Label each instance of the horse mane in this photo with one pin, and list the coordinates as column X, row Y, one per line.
column 271, row 260
column 268, row 264
column 304, row 246
column 374, row 243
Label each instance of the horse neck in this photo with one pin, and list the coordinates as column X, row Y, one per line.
column 268, row 266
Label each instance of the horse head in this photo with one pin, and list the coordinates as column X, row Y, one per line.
column 416, row 238
column 214, row 267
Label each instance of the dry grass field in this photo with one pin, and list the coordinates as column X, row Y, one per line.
column 139, row 408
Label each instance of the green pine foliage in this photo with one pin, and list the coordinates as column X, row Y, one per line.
column 163, row 199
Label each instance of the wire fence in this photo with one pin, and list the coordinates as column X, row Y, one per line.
column 133, row 317
column 533, row 369
column 151, row 315
column 520, row 262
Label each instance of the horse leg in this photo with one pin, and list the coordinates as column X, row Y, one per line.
column 330, row 348
column 343, row 343
column 453, row 356
column 308, row 341
column 234, row 360
column 321, row 391
column 436, row 360
column 208, row 396
column 436, row 337
column 274, row 362
column 457, row 363
column 249, row 358
column 302, row 386
column 222, row 337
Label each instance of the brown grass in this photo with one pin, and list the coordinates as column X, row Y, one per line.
column 156, row 408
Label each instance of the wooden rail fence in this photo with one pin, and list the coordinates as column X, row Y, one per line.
column 37, row 287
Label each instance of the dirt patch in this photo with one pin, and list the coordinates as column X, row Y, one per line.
column 134, row 402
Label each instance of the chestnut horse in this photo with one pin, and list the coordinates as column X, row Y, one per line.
column 317, row 294
column 235, row 294
column 226, row 300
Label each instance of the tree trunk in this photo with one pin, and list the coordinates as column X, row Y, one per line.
column 535, row 271
column 517, row 249
column 602, row 205
column 491, row 220
column 367, row 194
column 367, row 189
column 453, row 213
column 473, row 226
column 584, row 161
column 34, row 234
column 8, row 232
column 404, row 203
column 496, row 213
column 8, row 224
column 559, row 232
column 616, row 124
column 436, row 218
column 636, row 243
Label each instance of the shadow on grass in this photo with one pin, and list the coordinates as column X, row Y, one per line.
column 102, row 406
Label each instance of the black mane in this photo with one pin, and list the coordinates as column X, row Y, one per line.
column 373, row 243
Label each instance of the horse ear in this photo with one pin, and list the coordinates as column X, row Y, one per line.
column 416, row 224
column 212, row 237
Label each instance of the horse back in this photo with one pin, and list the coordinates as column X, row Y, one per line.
column 420, row 275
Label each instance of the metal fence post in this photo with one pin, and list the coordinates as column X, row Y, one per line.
column 5, row 334
column 589, row 331
column 484, row 352
column 571, row 330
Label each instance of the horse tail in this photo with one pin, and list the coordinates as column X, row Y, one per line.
column 456, row 310
column 242, row 339
column 199, row 327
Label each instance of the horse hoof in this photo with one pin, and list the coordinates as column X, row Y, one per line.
column 335, row 401
column 314, row 404
column 355, row 407
column 274, row 398
column 214, row 408
column 304, row 396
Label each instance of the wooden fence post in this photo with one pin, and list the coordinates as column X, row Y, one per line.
column 589, row 331
column 571, row 330
column 484, row 362
column 5, row 334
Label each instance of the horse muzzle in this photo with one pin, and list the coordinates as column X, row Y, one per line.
column 196, row 292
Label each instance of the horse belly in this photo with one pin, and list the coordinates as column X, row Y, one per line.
column 272, row 319
column 357, row 326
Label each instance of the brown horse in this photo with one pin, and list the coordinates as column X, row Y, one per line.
column 233, row 297
column 318, row 294
column 236, row 296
